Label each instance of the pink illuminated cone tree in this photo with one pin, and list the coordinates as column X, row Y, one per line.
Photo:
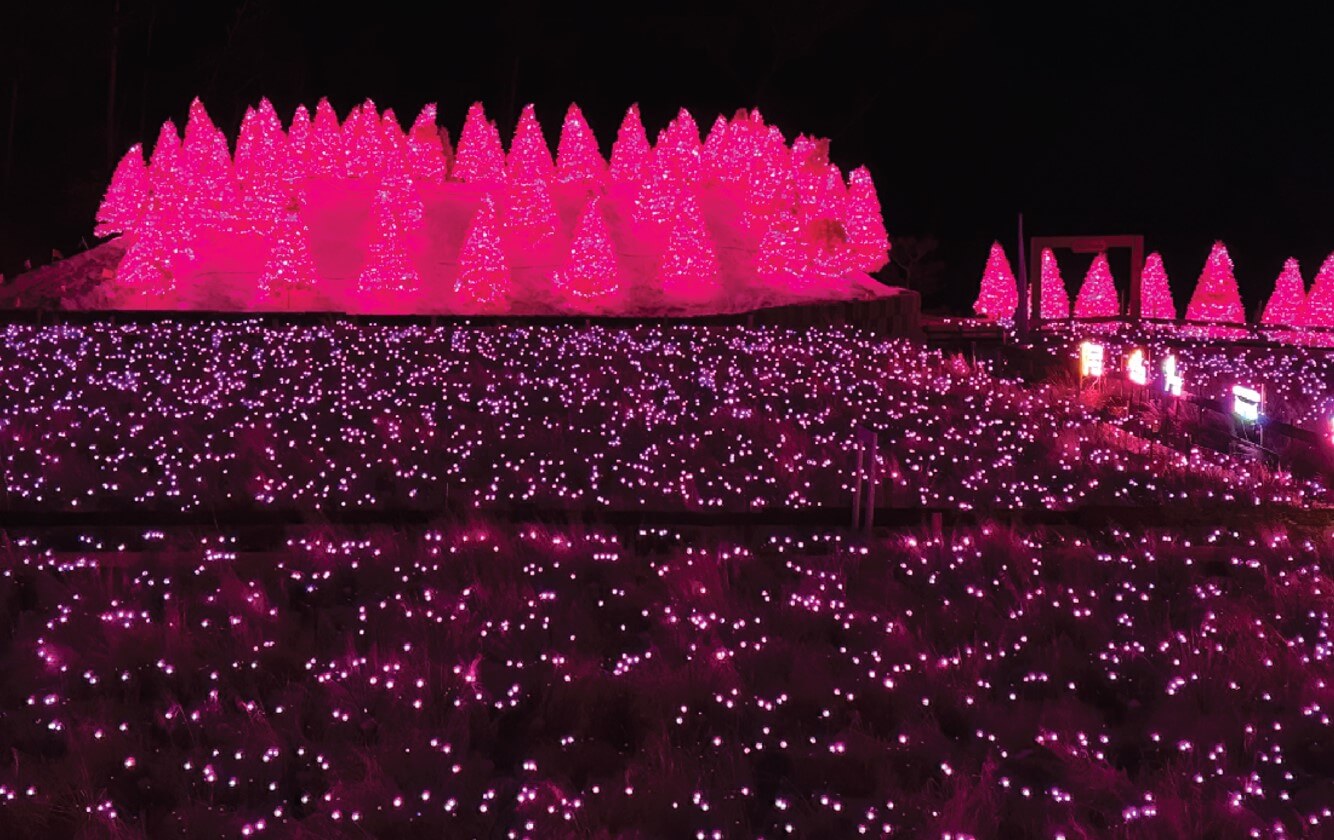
column 210, row 188
column 999, row 296
column 631, row 152
column 530, row 214
column 297, row 160
column 363, row 142
column 1055, row 303
column 864, row 223
column 529, row 156
column 1319, row 308
column 1216, row 297
column 590, row 272
column 149, row 265
column 164, row 166
column 784, row 255
column 1155, row 291
column 261, row 163
column 123, row 206
column 388, row 271
column 289, row 267
column 480, row 158
column 1285, row 305
column 426, row 149
column 712, row 154
column 484, row 274
column 1097, row 296
column 689, row 267
column 577, row 157
column 326, row 155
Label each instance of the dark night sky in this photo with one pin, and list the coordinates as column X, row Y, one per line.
column 1185, row 126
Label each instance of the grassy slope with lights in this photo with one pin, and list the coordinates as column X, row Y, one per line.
column 482, row 677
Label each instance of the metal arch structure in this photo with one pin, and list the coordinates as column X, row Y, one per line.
column 1084, row 245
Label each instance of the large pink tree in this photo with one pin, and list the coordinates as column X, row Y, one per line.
column 998, row 298
column 1216, row 297
column 1285, row 305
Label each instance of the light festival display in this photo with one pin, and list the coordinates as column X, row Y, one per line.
column 1097, row 296
column 219, row 215
column 1055, row 303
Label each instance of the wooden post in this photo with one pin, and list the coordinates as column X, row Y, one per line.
column 857, row 482
column 873, row 474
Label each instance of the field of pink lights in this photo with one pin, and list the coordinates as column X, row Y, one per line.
column 490, row 675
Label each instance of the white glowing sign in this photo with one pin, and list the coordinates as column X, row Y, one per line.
column 1171, row 376
column 1246, row 403
column 1090, row 359
column 1137, row 367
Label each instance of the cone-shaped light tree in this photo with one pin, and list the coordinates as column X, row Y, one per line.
column 577, row 157
column 1097, row 296
column 289, row 267
column 1055, row 303
column 387, row 271
column 261, row 163
column 426, row 149
column 123, row 206
column 784, row 255
column 864, row 223
column 1284, row 308
column 297, row 159
column 480, row 158
column 1155, row 291
column 363, row 142
column 689, row 267
column 530, row 214
column 484, row 274
column 212, row 199
column 999, row 296
column 590, row 272
column 630, row 153
column 148, row 266
column 164, row 166
column 327, row 158
column 530, row 157
column 1216, row 297
column 1319, row 308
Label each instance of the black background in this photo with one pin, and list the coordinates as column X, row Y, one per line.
column 1186, row 124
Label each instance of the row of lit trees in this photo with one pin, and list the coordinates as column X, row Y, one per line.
column 808, row 222
column 1216, row 298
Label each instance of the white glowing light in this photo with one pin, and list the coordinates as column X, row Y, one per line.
column 1246, row 403
column 1137, row 367
column 1090, row 359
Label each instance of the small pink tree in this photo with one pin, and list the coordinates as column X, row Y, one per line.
column 327, row 157
column 630, row 153
column 1055, row 303
column 363, row 142
column 210, row 189
column 689, row 267
column 426, row 150
column 261, row 163
column 149, row 265
column 1155, row 292
column 530, row 214
column 290, row 267
column 480, row 158
column 123, row 206
column 590, row 272
column 388, row 271
column 530, row 157
column 1285, row 305
column 999, row 296
column 864, row 223
column 484, row 274
column 1216, row 297
column 784, row 255
column 1097, row 296
column 299, row 139
column 1319, row 308
column 577, row 157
